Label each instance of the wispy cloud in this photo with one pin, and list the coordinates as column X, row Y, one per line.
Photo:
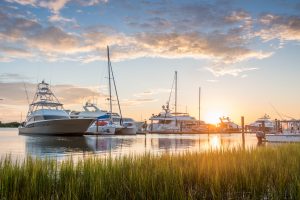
column 284, row 28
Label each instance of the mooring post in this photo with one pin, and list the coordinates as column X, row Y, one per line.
column 243, row 130
column 97, row 125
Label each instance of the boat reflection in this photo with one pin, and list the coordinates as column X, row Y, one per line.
column 132, row 145
column 47, row 146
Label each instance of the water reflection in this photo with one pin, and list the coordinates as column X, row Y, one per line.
column 54, row 146
column 62, row 147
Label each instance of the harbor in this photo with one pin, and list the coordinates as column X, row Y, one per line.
column 149, row 100
column 79, row 147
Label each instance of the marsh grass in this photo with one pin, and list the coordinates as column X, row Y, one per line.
column 262, row 173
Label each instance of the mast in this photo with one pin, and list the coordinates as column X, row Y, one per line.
column 176, row 97
column 199, row 105
column 175, row 93
column 109, row 83
column 113, row 77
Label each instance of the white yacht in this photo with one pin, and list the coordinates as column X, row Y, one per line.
column 226, row 125
column 260, row 122
column 90, row 110
column 46, row 116
column 129, row 127
column 106, row 122
column 168, row 122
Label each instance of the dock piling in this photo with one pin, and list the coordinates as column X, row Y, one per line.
column 243, row 130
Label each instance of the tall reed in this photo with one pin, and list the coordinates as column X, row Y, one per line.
column 262, row 173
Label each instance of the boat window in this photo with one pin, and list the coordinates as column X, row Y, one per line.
column 38, row 118
column 31, row 119
column 164, row 121
column 116, row 120
column 47, row 117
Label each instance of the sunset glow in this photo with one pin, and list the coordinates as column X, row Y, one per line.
column 226, row 48
column 213, row 117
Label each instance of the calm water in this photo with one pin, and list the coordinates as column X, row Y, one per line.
column 19, row 146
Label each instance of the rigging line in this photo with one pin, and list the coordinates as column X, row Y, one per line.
column 171, row 91
column 113, row 77
column 26, row 92
column 276, row 110
column 168, row 102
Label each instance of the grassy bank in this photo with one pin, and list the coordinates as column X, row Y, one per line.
column 265, row 172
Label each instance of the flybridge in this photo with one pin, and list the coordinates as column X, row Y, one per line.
column 44, row 98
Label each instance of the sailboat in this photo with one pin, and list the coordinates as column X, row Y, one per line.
column 46, row 116
column 171, row 122
column 108, row 123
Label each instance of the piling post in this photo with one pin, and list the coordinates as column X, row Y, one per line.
column 243, row 130
column 97, row 125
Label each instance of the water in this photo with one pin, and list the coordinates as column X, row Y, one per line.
column 20, row 146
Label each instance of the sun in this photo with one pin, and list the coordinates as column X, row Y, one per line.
column 213, row 117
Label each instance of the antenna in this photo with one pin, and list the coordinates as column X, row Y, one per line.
column 199, row 105
column 26, row 93
column 276, row 111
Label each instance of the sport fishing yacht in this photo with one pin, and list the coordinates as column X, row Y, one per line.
column 46, row 116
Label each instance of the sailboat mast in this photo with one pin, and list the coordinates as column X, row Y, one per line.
column 175, row 93
column 109, row 82
column 199, row 105
column 113, row 78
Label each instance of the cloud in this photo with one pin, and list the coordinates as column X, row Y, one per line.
column 152, row 92
column 285, row 28
column 220, row 70
column 221, row 46
column 16, row 53
column 23, row 2
column 12, row 77
column 14, row 92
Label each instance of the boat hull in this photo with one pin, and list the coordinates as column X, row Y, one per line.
column 127, row 131
column 65, row 127
column 101, row 130
column 282, row 137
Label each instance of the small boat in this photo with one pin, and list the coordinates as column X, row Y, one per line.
column 129, row 127
column 228, row 126
column 46, row 116
column 278, row 137
column 107, row 124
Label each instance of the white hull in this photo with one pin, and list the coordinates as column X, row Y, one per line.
column 57, row 127
column 103, row 130
column 127, row 131
column 282, row 137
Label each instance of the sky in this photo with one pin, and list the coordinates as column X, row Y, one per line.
column 243, row 54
